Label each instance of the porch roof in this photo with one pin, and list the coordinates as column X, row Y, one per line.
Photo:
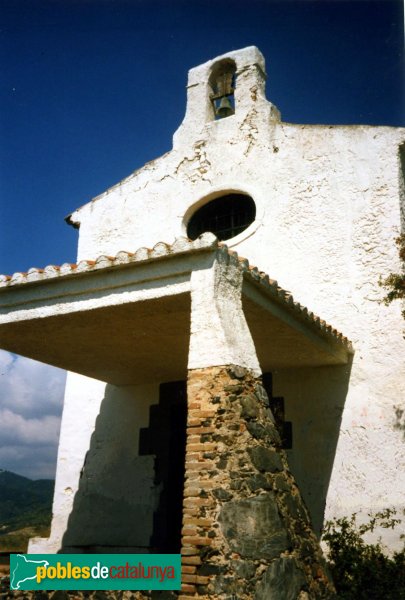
column 126, row 319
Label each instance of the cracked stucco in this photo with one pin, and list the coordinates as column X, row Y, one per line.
column 328, row 209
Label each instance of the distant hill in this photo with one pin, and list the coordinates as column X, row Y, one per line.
column 24, row 502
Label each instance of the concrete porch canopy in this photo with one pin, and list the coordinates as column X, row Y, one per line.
column 129, row 319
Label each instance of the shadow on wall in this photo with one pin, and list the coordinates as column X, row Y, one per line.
column 118, row 506
column 114, row 506
column 314, row 403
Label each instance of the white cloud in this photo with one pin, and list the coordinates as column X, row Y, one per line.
column 17, row 430
column 19, row 459
column 31, row 397
column 28, row 387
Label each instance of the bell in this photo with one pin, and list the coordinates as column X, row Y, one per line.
column 225, row 108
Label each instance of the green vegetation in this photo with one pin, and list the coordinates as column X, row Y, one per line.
column 17, row 541
column 395, row 282
column 25, row 510
column 363, row 571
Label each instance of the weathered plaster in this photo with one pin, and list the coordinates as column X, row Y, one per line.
column 328, row 208
column 219, row 332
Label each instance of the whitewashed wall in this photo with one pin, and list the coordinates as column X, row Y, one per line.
column 328, row 209
column 104, row 491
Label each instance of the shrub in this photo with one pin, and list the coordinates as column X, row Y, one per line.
column 395, row 282
column 363, row 571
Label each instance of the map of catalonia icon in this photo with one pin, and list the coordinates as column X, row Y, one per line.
column 24, row 570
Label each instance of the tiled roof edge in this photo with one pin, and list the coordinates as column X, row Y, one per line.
column 284, row 297
column 180, row 246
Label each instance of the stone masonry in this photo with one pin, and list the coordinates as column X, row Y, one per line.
column 246, row 531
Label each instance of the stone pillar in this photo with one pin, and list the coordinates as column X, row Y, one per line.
column 246, row 532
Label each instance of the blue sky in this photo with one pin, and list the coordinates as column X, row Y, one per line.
column 90, row 90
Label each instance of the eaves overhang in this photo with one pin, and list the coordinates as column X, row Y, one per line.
column 126, row 319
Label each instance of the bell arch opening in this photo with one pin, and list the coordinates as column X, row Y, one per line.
column 222, row 83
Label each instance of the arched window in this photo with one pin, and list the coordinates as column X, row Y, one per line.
column 222, row 82
column 226, row 216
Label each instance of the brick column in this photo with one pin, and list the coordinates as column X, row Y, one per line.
column 246, row 532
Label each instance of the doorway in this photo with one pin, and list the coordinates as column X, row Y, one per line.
column 165, row 438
